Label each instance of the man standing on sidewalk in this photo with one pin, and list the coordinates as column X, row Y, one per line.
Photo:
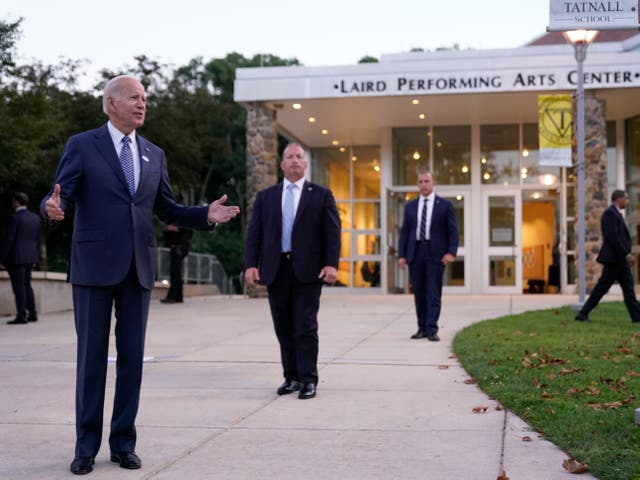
column 19, row 252
column 293, row 246
column 616, row 259
column 428, row 243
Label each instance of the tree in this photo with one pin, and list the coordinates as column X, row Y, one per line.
column 9, row 33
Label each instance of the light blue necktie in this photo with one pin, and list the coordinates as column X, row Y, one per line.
column 126, row 160
column 287, row 218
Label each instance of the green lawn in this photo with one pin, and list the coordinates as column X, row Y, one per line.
column 576, row 383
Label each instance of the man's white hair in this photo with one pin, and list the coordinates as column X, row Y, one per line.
column 110, row 88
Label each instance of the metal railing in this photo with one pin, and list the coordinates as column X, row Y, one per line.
column 199, row 268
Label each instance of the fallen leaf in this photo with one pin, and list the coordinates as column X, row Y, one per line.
column 526, row 438
column 470, row 381
column 503, row 476
column 573, row 466
column 443, row 367
column 480, row 409
column 499, row 407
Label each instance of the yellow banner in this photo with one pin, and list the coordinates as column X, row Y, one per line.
column 555, row 121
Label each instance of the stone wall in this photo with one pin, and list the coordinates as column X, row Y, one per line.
column 596, row 201
column 262, row 160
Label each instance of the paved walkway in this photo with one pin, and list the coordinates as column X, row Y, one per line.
column 387, row 407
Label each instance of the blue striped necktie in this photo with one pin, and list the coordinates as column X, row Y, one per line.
column 126, row 160
column 423, row 221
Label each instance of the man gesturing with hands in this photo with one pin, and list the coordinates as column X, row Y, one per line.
column 115, row 180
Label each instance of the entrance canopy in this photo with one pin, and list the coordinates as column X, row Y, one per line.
column 348, row 105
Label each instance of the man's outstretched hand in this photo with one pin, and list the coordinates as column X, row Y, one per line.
column 52, row 205
column 221, row 213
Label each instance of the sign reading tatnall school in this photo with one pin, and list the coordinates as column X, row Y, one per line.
column 592, row 15
column 473, row 82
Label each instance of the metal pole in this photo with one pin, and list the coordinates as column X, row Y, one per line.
column 580, row 53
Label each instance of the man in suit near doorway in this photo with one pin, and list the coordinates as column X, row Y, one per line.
column 293, row 246
column 616, row 259
column 116, row 180
column 19, row 252
column 428, row 243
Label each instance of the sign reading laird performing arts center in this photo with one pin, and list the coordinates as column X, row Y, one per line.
column 591, row 15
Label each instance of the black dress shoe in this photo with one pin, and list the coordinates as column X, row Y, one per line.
column 581, row 317
column 127, row 460
column 17, row 321
column 289, row 386
column 433, row 337
column 419, row 334
column 82, row 465
column 167, row 300
column 32, row 319
column 308, row 391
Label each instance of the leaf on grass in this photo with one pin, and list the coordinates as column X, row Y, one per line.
column 573, row 466
column 572, row 391
column 592, row 390
column 629, row 399
column 470, row 381
column 527, row 438
column 569, row 371
column 606, row 405
column 480, row 409
column 503, row 476
column 546, row 394
column 631, row 373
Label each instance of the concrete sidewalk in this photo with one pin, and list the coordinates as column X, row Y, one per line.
column 387, row 407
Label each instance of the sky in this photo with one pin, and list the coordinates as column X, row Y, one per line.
column 318, row 33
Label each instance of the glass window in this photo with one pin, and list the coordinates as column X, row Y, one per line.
column 500, row 157
column 367, row 274
column 502, row 271
column 532, row 172
column 330, row 168
column 344, row 211
column 452, row 155
column 366, row 216
column 454, row 274
column 367, row 244
column 632, row 165
column 501, row 221
column 410, row 150
column 366, row 172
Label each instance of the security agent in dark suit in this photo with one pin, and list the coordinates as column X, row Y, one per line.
column 19, row 251
column 428, row 242
column 292, row 247
column 116, row 180
column 616, row 259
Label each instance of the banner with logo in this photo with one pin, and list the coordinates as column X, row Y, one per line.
column 592, row 15
column 555, row 122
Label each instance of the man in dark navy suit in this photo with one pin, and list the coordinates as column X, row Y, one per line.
column 428, row 242
column 616, row 259
column 115, row 180
column 19, row 252
column 292, row 247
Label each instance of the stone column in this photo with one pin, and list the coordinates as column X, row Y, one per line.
column 596, row 201
column 262, row 160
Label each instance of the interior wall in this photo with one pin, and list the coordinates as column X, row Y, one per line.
column 538, row 227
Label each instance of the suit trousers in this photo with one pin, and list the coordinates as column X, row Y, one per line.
column 612, row 272
column 426, row 273
column 20, row 276
column 294, row 309
column 92, row 311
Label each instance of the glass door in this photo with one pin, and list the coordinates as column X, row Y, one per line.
column 501, row 241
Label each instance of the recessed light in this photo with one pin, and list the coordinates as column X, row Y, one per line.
column 335, row 142
column 422, row 116
column 312, row 119
column 415, row 101
column 297, row 106
column 325, row 131
column 343, row 149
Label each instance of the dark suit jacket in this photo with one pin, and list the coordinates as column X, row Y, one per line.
column 616, row 241
column 21, row 244
column 110, row 227
column 443, row 231
column 315, row 239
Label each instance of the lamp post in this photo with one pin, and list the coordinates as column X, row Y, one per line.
column 580, row 39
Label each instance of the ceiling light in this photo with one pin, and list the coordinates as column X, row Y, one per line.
column 354, row 158
column 342, row 149
column 458, row 197
column 486, row 176
column 422, row 116
column 484, row 160
column 324, row 131
column 465, row 169
column 312, row 119
column 415, row 101
column 525, row 153
column 376, row 168
column 297, row 106
column 335, row 142
column 416, row 155
column 547, row 179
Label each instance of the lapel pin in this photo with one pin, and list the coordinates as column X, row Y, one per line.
column 309, row 188
column 144, row 157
